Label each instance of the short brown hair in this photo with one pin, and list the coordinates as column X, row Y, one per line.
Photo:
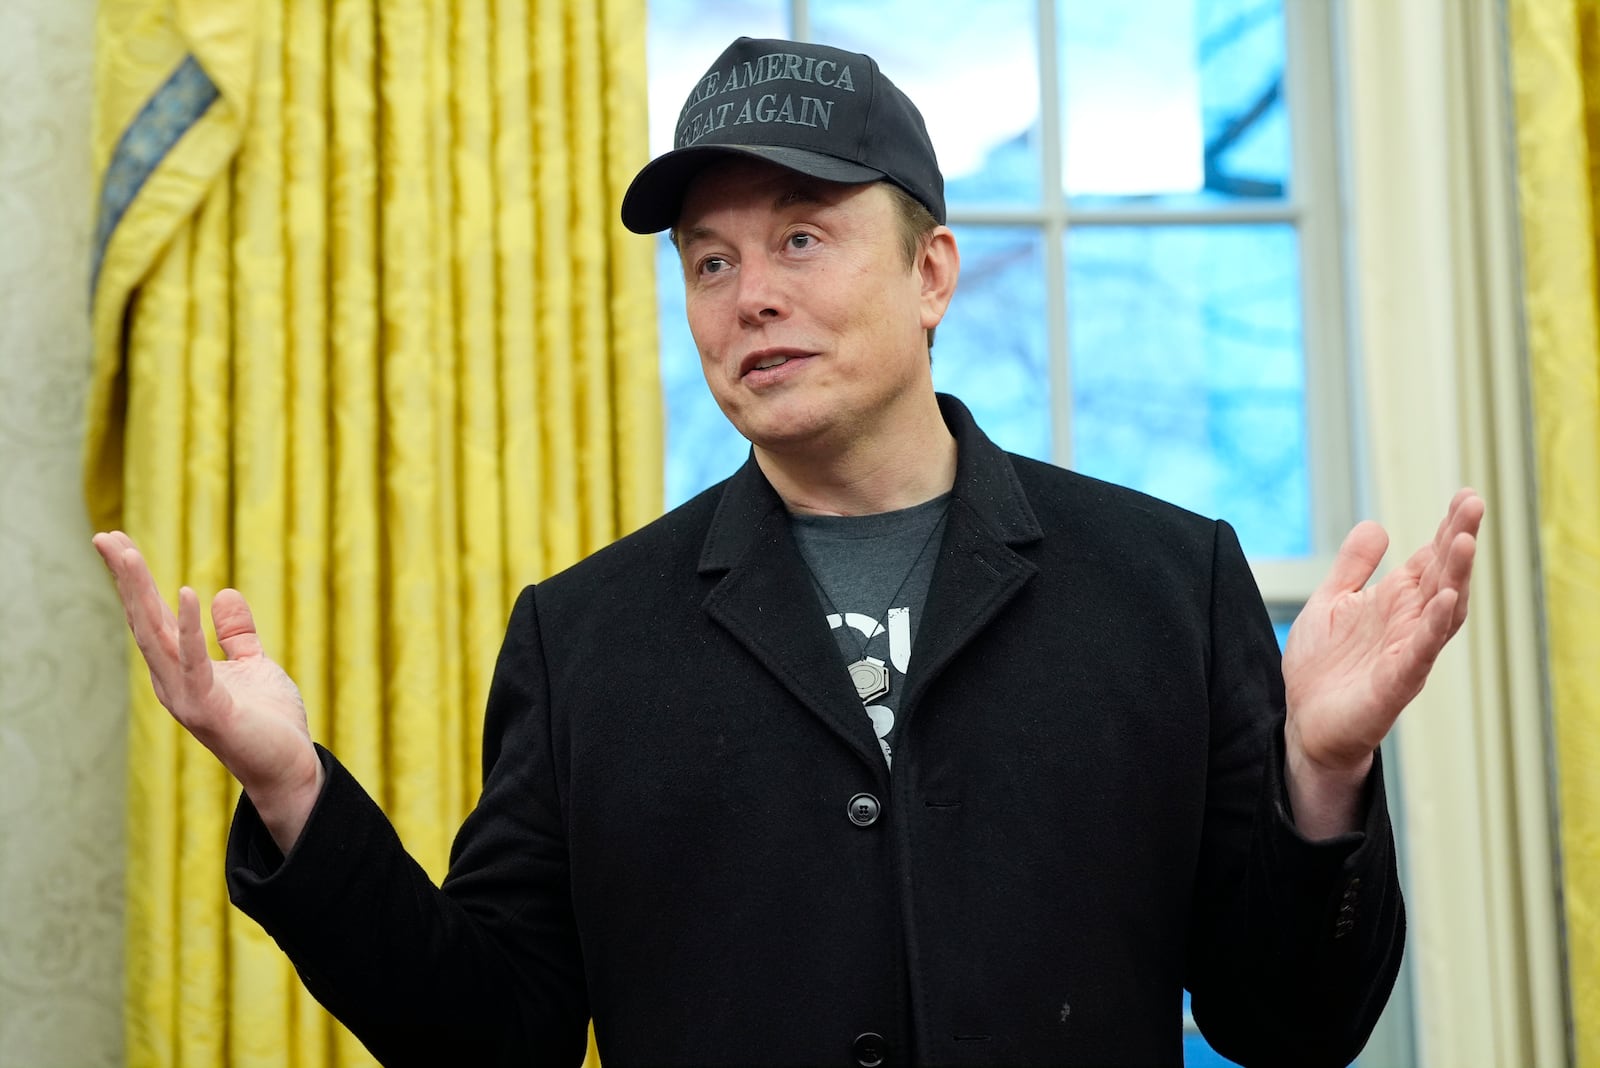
column 916, row 223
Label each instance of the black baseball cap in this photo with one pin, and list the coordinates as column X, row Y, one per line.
column 821, row 111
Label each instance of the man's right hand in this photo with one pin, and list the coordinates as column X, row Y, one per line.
column 244, row 709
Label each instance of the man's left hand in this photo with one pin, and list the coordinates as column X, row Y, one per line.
column 1356, row 656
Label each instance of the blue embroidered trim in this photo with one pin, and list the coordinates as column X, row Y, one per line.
column 160, row 124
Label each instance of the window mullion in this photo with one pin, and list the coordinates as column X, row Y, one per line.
column 1270, row 212
column 1308, row 83
column 1054, row 226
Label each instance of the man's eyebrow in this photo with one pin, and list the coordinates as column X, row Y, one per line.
column 692, row 234
column 797, row 195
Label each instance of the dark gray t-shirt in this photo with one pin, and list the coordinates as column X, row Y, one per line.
column 872, row 574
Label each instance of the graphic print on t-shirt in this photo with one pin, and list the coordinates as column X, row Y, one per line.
column 867, row 631
column 860, row 564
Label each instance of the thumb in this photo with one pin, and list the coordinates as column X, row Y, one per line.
column 236, row 627
column 1356, row 559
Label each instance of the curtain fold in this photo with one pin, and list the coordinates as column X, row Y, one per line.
column 1555, row 51
column 371, row 346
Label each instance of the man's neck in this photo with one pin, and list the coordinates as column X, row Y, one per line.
column 865, row 480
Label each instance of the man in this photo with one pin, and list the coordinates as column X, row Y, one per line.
column 891, row 749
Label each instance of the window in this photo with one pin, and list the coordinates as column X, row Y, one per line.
column 1146, row 200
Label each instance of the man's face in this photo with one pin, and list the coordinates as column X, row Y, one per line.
column 809, row 322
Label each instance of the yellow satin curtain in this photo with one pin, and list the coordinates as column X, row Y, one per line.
column 1555, row 52
column 371, row 346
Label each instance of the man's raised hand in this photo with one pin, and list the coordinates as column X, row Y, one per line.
column 1357, row 655
column 244, row 709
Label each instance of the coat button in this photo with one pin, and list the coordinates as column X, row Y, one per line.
column 863, row 810
column 870, row 1049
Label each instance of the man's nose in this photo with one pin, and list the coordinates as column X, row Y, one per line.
column 762, row 291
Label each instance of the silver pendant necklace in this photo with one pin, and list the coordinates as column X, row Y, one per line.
column 868, row 674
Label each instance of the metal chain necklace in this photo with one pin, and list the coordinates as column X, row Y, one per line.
column 868, row 674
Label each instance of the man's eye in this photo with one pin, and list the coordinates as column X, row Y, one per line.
column 713, row 265
column 801, row 240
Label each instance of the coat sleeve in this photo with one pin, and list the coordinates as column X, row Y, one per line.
column 1294, row 945
column 485, row 970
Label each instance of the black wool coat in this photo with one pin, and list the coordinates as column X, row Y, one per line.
column 687, row 829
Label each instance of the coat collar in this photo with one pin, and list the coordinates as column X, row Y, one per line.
column 985, row 482
column 766, row 599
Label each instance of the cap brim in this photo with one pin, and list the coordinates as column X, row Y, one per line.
column 655, row 197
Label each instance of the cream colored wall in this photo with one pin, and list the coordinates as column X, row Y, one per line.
column 62, row 685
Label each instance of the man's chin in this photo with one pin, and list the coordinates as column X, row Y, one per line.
column 793, row 438
column 782, row 424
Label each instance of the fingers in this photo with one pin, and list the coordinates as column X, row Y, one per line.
column 1458, row 576
column 1356, row 559
column 148, row 616
column 194, row 662
column 162, row 641
column 192, row 654
column 1448, row 558
column 1431, row 563
column 1468, row 508
column 1464, row 516
column 110, row 545
column 235, row 626
column 1427, row 641
column 111, row 548
column 152, row 621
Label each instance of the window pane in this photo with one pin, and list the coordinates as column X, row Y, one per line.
column 1197, row 1054
column 1187, row 374
column 1241, row 96
column 972, row 69
column 1179, row 101
column 991, row 349
column 685, row 37
column 702, row 446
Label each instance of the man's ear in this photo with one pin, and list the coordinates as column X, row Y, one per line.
column 939, row 265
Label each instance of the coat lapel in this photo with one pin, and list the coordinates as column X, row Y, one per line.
column 767, row 603
column 977, row 576
column 979, row 572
